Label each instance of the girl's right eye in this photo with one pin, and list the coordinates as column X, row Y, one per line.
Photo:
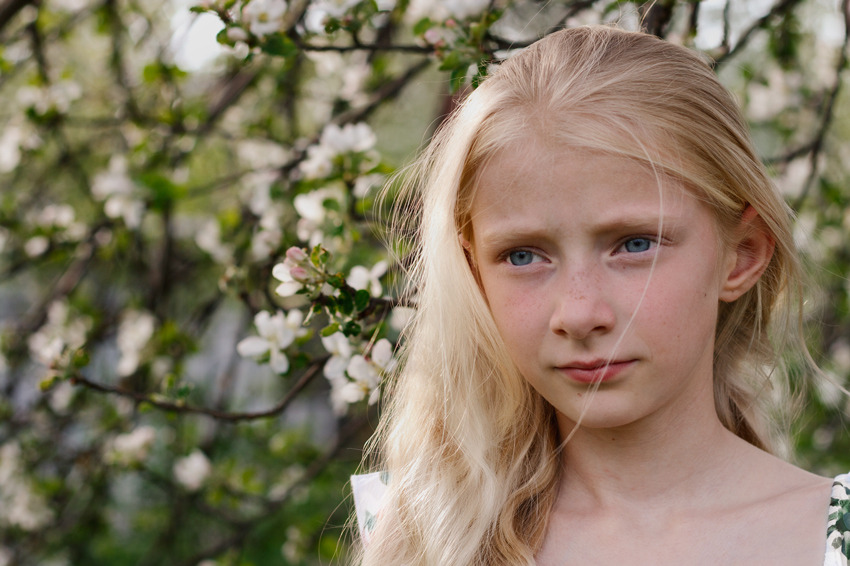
column 522, row 257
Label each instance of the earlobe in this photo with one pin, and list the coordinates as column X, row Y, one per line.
column 749, row 257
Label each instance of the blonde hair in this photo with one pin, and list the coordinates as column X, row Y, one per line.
column 471, row 448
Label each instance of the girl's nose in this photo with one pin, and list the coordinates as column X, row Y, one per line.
column 581, row 309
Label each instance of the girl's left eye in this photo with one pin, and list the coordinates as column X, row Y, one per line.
column 522, row 257
column 638, row 245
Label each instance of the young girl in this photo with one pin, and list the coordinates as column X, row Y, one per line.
column 599, row 258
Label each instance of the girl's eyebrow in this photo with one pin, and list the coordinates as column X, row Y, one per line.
column 504, row 233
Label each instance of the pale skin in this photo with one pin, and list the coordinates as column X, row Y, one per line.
column 584, row 260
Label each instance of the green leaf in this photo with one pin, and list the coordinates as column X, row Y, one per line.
column 279, row 44
column 330, row 329
column 422, row 26
column 457, row 78
column 345, row 302
column 351, row 329
column 452, row 61
column 163, row 190
column 361, row 299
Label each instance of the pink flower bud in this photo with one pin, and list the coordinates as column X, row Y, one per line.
column 296, row 254
column 299, row 274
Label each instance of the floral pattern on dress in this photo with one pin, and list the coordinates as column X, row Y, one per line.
column 838, row 524
column 369, row 490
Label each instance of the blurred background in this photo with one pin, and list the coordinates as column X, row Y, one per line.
column 181, row 387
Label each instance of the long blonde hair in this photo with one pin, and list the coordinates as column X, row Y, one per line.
column 471, row 448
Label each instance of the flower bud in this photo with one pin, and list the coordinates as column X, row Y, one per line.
column 296, row 254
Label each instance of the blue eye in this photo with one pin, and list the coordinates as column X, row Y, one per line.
column 637, row 245
column 521, row 257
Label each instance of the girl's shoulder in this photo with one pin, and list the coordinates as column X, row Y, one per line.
column 838, row 523
column 368, row 490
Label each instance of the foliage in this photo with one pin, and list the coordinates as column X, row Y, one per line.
column 152, row 209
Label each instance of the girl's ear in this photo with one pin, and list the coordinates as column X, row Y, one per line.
column 749, row 257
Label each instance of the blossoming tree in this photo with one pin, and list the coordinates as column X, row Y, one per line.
column 196, row 307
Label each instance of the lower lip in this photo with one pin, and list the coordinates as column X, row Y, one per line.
column 596, row 375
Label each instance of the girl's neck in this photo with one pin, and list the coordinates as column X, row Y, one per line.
column 656, row 460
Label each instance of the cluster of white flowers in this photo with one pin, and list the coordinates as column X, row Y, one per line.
column 264, row 16
column 354, row 377
column 61, row 333
column 267, row 234
column 370, row 279
column 134, row 333
column 314, row 215
column 17, row 136
column 58, row 96
column 22, row 506
column 208, row 238
column 276, row 333
column 441, row 10
column 115, row 187
column 320, row 11
column 54, row 218
column 334, row 141
column 130, row 448
column 192, row 471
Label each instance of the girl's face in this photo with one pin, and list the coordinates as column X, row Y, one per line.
column 584, row 260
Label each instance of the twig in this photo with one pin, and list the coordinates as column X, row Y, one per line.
column 281, row 405
column 828, row 111
column 779, row 8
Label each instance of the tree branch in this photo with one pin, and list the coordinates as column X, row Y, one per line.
column 781, row 7
column 311, row 372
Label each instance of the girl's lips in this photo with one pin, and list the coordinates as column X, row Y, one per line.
column 595, row 372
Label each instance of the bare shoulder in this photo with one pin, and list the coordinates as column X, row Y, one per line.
column 793, row 505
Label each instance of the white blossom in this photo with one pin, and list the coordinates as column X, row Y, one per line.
column 318, row 163
column 355, row 377
column 264, row 16
column 311, row 209
column 335, row 140
column 283, row 273
column 401, row 317
column 441, row 10
column 36, row 246
column 131, row 447
column 10, row 148
column 319, row 11
column 208, row 238
column 370, row 279
column 61, row 333
column 339, row 347
column 235, row 34
column 22, row 506
column 276, row 333
column 134, row 333
column 365, row 183
column 268, row 235
column 116, row 188
column 350, row 138
column 192, row 471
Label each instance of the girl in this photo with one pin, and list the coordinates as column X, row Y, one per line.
column 599, row 258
